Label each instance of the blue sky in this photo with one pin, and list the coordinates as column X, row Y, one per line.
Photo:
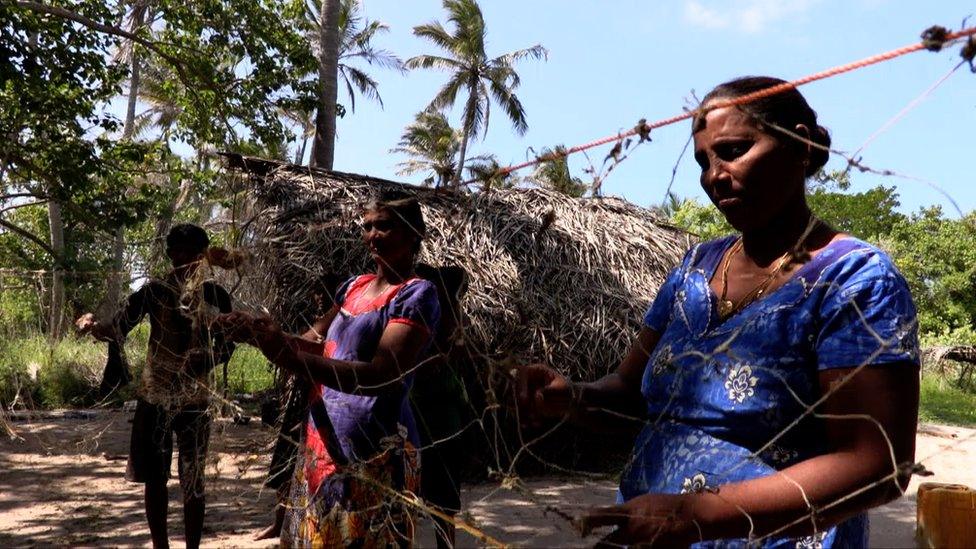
column 612, row 63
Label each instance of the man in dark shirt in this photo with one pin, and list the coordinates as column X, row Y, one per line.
column 174, row 392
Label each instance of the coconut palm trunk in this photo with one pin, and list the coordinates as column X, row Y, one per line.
column 323, row 147
column 469, row 114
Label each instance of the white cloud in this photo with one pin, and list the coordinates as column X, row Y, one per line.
column 750, row 16
column 699, row 15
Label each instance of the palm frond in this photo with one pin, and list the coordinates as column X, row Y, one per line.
column 503, row 75
column 312, row 10
column 363, row 82
column 349, row 91
column 350, row 16
column 469, row 34
column 436, row 33
column 475, row 110
column 364, row 36
column 535, row 52
column 513, row 107
column 447, row 95
column 143, row 123
column 381, row 58
column 431, row 143
column 483, row 98
column 412, row 166
column 433, row 62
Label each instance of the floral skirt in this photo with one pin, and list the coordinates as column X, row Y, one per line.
column 358, row 505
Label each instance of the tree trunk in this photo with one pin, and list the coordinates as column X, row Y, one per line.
column 323, row 147
column 465, row 132
column 300, row 155
column 116, row 279
column 56, row 318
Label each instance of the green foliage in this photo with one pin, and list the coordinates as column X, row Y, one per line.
column 941, row 402
column 231, row 67
column 20, row 307
column 54, row 81
column 937, row 256
column 40, row 373
column 868, row 215
column 703, row 220
column 487, row 170
column 249, row 372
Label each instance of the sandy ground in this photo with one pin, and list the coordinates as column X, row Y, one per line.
column 62, row 484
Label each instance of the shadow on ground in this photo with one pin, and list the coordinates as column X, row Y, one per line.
column 71, row 475
column 62, row 483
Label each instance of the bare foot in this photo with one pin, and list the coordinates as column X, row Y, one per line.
column 270, row 532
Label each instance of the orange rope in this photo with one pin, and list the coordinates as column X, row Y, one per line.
column 741, row 100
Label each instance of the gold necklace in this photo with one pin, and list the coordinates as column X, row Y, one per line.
column 726, row 306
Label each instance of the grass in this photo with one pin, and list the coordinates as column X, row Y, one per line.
column 44, row 375
column 248, row 371
column 943, row 402
column 41, row 375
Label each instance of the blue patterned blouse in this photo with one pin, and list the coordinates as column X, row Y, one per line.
column 722, row 395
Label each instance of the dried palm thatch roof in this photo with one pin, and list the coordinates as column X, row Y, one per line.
column 551, row 277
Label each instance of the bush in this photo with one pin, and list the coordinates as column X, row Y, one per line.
column 247, row 372
column 37, row 373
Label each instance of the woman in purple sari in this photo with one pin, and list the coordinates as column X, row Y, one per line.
column 358, row 450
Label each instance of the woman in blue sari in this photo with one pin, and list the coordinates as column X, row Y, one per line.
column 775, row 373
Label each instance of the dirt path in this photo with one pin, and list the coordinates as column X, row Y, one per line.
column 62, row 484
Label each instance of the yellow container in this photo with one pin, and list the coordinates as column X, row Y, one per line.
column 946, row 516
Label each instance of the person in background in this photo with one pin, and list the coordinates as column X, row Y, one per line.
column 174, row 393
column 439, row 405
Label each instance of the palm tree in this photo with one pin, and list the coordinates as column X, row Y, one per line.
column 432, row 145
column 353, row 39
column 356, row 35
column 483, row 79
column 553, row 172
column 323, row 146
column 162, row 110
column 487, row 170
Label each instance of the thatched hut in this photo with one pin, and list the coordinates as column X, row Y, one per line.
column 551, row 278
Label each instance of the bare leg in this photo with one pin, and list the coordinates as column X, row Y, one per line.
column 157, row 502
column 194, row 507
column 274, row 530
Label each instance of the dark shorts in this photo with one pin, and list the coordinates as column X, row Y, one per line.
column 151, row 449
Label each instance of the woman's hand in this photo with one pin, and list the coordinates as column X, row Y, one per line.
column 543, row 393
column 659, row 520
column 258, row 330
column 235, row 326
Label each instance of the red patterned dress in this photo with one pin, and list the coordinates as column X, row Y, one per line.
column 359, row 453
